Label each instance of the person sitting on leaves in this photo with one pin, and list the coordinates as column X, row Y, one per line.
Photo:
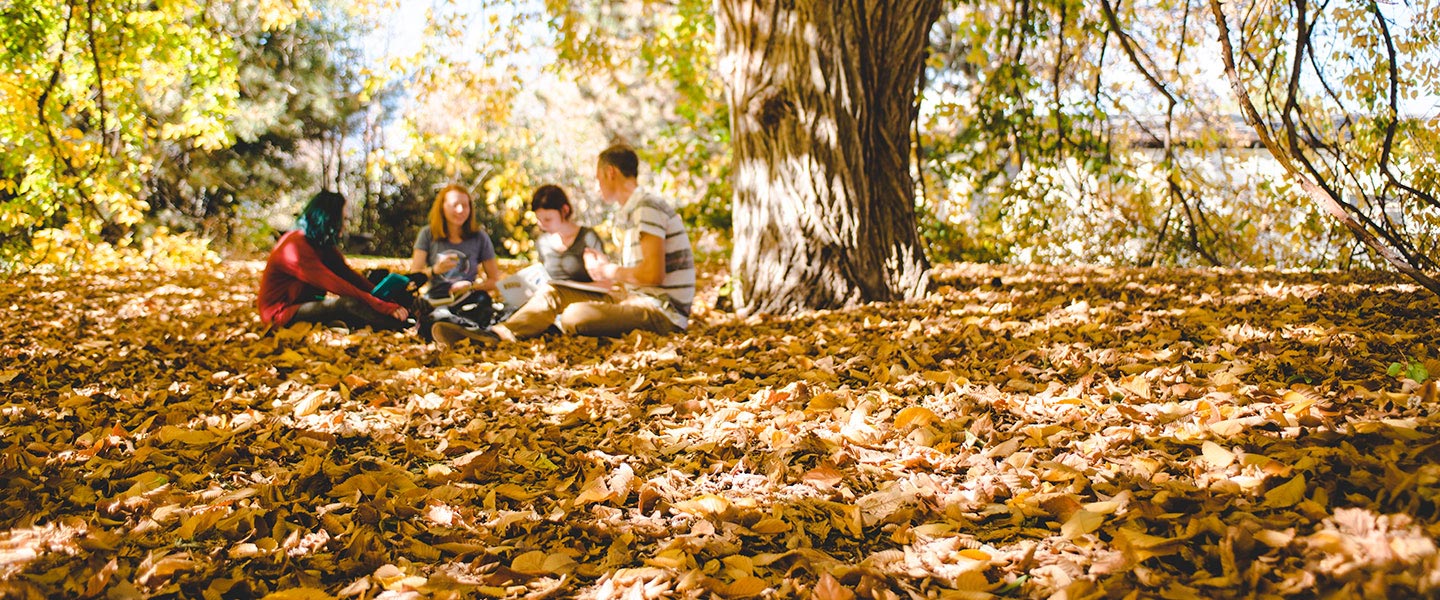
column 563, row 242
column 657, row 271
column 451, row 250
column 306, row 263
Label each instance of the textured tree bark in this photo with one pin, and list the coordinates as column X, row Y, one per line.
column 821, row 96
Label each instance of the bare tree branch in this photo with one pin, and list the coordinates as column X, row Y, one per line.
column 1287, row 161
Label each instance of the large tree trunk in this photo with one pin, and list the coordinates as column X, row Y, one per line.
column 821, row 96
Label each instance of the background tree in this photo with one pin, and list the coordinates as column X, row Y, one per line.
column 94, row 90
column 297, row 93
column 821, row 102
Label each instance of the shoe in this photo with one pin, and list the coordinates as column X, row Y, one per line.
column 449, row 334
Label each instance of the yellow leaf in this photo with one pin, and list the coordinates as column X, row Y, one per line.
column 388, row 575
column 704, row 505
column 745, row 587
column 1299, row 403
column 513, row 492
column 739, row 565
column 299, row 594
column 307, row 405
column 830, row 588
column 595, row 491
column 824, row 476
column 1228, row 427
column 558, row 563
column 770, row 526
column 1215, row 456
column 1081, row 523
column 530, row 563
column 1286, row 494
column 1137, row 384
column 975, row 554
column 1275, row 539
column 1141, row 546
column 914, row 416
column 673, row 558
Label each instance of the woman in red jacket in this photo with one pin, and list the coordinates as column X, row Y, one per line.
column 306, row 263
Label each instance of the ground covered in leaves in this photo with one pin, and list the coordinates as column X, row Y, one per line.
column 1021, row 432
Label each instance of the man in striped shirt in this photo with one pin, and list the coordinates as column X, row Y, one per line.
column 656, row 270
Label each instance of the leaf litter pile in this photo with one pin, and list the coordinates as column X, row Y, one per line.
column 1021, row 432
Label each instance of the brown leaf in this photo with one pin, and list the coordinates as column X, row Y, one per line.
column 829, row 588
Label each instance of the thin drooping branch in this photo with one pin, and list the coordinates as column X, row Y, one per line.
column 1287, row 161
column 105, row 134
column 43, row 100
column 1392, row 68
column 1172, row 170
column 1297, row 142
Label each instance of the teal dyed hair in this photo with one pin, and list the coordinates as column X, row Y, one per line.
column 322, row 218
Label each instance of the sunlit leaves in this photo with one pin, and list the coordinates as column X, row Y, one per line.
column 991, row 437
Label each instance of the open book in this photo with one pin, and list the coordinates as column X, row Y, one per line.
column 516, row 289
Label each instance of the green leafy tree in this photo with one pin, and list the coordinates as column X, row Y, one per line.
column 93, row 91
column 298, row 87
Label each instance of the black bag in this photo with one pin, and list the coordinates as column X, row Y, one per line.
column 474, row 311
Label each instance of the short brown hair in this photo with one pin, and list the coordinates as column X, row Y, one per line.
column 551, row 197
column 622, row 157
column 437, row 214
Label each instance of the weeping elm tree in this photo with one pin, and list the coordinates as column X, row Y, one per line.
column 821, row 96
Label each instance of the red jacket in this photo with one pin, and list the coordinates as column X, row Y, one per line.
column 298, row 272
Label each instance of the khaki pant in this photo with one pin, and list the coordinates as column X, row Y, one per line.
column 586, row 313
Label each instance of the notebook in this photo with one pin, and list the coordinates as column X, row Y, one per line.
column 516, row 289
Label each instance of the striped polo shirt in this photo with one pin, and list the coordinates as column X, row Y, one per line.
column 647, row 212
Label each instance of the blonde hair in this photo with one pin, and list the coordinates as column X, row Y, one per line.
column 469, row 228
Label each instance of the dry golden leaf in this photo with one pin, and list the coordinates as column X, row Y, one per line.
column 309, row 403
column 1275, row 539
column 745, row 588
column 1137, row 384
column 156, row 568
column 530, row 563
column 558, row 563
column 704, row 505
column 739, row 565
column 975, row 554
column 670, row 559
column 824, row 401
column 1081, row 523
column 302, row 593
column 1287, row 494
column 1228, row 427
column 829, row 588
column 823, row 476
column 388, row 575
column 513, row 492
column 98, row 582
column 1140, row 546
column 770, row 526
column 914, row 416
column 1215, row 456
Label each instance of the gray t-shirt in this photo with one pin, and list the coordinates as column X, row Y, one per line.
column 472, row 251
column 569, row 264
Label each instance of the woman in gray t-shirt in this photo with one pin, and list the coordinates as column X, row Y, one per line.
column 454, row 259
column 563, row 243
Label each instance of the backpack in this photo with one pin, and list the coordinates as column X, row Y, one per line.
column 474, row 311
